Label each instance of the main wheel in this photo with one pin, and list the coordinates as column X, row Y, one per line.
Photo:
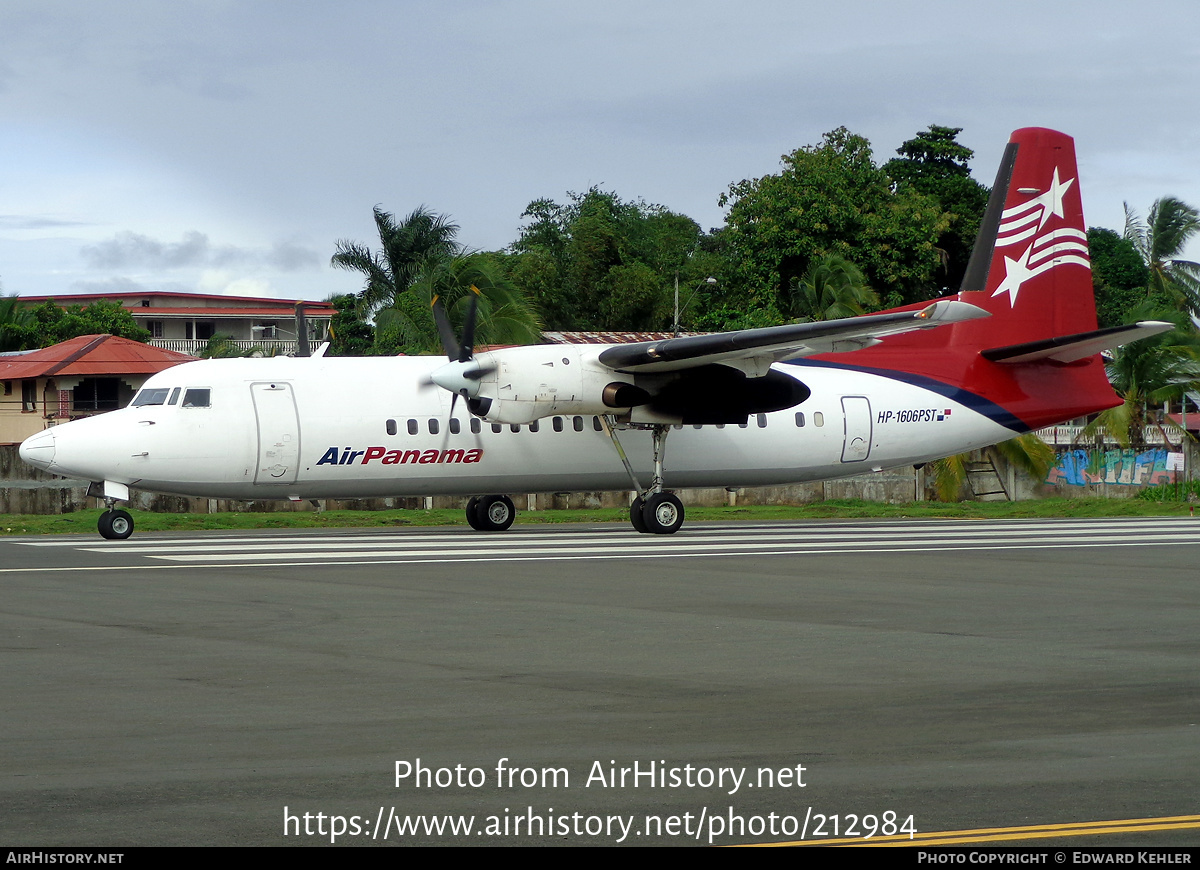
column 473, row 514
column 663, row 513
column 115, row 525
column 635, row 515
column 495, row 513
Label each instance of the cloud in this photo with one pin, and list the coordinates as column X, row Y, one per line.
column 35, row 222
column 194, row 250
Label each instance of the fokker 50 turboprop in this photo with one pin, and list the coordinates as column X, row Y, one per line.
column 1016, row 349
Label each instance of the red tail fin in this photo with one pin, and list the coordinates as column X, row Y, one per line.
column 1030, row 270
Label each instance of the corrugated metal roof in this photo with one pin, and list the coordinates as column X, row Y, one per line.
column 609, row 337
column 125, row 297
column 91, row 356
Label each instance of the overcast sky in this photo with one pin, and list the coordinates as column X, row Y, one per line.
column 227, row 146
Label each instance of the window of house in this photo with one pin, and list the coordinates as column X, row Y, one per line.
column 155, row 327
column 28, row 395
column 98, row 394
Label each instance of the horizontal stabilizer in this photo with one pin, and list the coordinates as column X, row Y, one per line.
column 1072, row 348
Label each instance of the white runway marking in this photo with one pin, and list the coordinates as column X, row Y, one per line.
column 539, row 544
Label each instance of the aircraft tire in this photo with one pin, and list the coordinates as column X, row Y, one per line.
column 636, row 507
column 495, row 513
column 473, row 514
column 663, row 513
column 115, row 525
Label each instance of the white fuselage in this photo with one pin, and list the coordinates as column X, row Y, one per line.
column 372, row 427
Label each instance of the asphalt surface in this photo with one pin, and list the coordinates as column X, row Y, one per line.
column 212, row 689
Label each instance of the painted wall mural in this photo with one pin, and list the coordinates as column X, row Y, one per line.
column 1122, row 466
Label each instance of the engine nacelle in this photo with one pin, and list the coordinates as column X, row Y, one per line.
column 523, row 384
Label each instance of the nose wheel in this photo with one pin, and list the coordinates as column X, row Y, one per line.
column 115, row 525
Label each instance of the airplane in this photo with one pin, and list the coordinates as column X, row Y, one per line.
column 1016, row 349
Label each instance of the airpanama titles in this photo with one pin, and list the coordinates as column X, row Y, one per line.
column 350, row 456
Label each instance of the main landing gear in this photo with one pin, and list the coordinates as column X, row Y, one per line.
column 655, row 511
column 491, row 513
column 114, row 525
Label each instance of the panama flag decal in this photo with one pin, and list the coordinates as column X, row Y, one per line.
column 1039, row 221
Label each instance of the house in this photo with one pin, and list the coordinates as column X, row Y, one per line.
column 87, row 375
column 185, row 322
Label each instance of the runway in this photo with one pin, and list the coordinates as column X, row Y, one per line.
column 235, row 688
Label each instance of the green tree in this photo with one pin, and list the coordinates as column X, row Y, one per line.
column 1027, row 452
column 48, row 323
column 349, row 334
column 600, row 262
column 405, row 248
column 1148, row 374
column 418, row 260
column 504, row 316
column 15, row 324
column 935, row 164
column 1119, row 277
column 1160, row 241
column 831, row 288
column 831, row 198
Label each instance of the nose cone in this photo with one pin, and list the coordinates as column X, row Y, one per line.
column 38, row 450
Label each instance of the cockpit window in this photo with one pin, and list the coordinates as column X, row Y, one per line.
column 196, row 398
column 174, row 396
column 155, row 396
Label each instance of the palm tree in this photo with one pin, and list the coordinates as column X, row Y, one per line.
column 1027, row 452
column 832, row 287
column 15, row 324
column 406, row 248
column 1160, row 241
column 1147, row 373
column 505, row 316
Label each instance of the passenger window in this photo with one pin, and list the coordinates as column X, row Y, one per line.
column 558, row 424
column 533, row 427
column 391, row 427
column 497, row 428
column 433, row 426
column 476, row 426
column 762, row 421
column 413, row 427
column 818, row 418
column 514, row 427
column 597, row 425
column 799, row 419
column 578, row 423
column 455, row 426
column 195, row 398
column 743, row 425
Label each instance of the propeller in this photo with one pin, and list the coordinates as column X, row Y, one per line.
column 461, row 375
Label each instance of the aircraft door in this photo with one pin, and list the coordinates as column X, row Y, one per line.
column 857, row 413
column 278, row 433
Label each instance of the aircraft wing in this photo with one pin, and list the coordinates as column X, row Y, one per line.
column 758, row 348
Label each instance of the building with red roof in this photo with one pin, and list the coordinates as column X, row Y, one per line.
column 186, row 321
column 76, row 378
